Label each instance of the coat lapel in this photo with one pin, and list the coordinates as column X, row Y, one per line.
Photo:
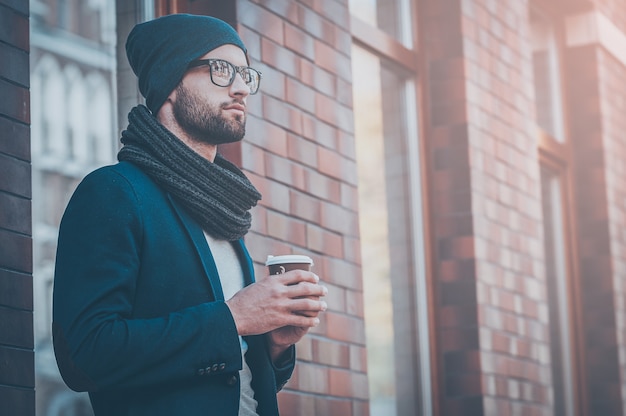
column 202, row 248
column 245, row 260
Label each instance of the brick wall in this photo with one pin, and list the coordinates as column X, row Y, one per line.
column 299, row 151
column 596, row 127
column 492, row 323
column 17, row 377
column 614, row 9
column 613, row 94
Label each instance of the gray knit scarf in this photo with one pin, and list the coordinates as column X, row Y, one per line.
column 217, row 195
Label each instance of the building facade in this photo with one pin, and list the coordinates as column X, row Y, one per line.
column 455, row 168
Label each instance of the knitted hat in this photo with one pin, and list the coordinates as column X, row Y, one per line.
column 160, row 50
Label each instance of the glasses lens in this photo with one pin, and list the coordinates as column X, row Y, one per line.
column 222, row 73
column 252, row 78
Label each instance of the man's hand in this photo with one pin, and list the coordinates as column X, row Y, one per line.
column 288, row 301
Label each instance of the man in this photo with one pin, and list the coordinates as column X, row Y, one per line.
column 156, row 311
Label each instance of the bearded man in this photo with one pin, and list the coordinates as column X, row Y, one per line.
column 156, row 310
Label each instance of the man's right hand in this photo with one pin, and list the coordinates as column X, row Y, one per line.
column 276, row 301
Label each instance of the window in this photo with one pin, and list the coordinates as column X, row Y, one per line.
column 548, row 102
column 391, row 16
column 558, row 219
column 72, row 114
column 390, row 210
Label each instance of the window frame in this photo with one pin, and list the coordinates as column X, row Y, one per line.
column 557, row 156
column 378, row 42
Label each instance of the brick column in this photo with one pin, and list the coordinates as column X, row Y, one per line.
column 489, row 269
column 597, row 90
column 299, row 151
column 17, row 373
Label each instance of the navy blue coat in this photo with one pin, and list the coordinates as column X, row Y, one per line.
column 139, row 318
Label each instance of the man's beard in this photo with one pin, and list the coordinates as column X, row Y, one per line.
column 205, row 122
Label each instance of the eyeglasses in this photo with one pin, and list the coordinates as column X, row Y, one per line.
column 223, row 73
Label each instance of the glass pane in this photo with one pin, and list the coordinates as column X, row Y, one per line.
column 73, row 63
column 556, row 275
column 391, row 16
column 380, row 108
column 548, row 103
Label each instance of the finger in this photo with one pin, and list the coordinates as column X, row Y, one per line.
column 304, row 289
column 293, row 277
column 308, row 313
column 307, row 304
column 303, row 321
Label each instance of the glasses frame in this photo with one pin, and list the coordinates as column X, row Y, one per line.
column 235, row 70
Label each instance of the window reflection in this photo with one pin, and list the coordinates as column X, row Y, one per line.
column 73, row 132
column 557, row 282
column 548, row 103
column 381, row 128
column 391, row 16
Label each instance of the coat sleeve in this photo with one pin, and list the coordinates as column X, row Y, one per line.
column 98, row 344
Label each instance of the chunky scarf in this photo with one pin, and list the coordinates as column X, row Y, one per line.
column 217, row 195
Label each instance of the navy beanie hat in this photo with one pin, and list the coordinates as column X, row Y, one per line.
column 160, row 50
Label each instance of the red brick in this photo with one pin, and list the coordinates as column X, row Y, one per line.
column 16, row 140
column 275, row 56
column 18, row 401
column 292, row 403
column 332, row 406
column 305, row 348
column 354, row 303
column 316, row 25
column 282, row 114
column 283, row 228
column 321, row 80
column 345, row 328
column 341, row 273
column 323, row 241
column 275, row 195
column 14, row 29
column 287, row 10
column 323, row 187
column 299, row 42
column 261, row 21
column 266, row 136
column 16, row 253
column 341, row 383
column 361, row 408
column 305, row 207
column 311, row 378
column 16, row 102
column 302, row 150
column 331, row 353
column 300, row 95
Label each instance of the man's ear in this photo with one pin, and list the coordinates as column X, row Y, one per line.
column 166, row 112
column 172, row 97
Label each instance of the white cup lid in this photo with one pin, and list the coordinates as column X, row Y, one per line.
column 288, row 258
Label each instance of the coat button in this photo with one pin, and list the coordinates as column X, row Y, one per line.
column 231, row 380
column 207, row 370
column 214, row 367
column 201, row 371
column 222, row 366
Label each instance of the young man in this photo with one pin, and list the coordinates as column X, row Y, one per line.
column 156, row 309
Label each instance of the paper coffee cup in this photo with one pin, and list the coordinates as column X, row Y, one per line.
column 287, row 262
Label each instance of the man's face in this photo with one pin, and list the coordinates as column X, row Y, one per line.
column 210, row 113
